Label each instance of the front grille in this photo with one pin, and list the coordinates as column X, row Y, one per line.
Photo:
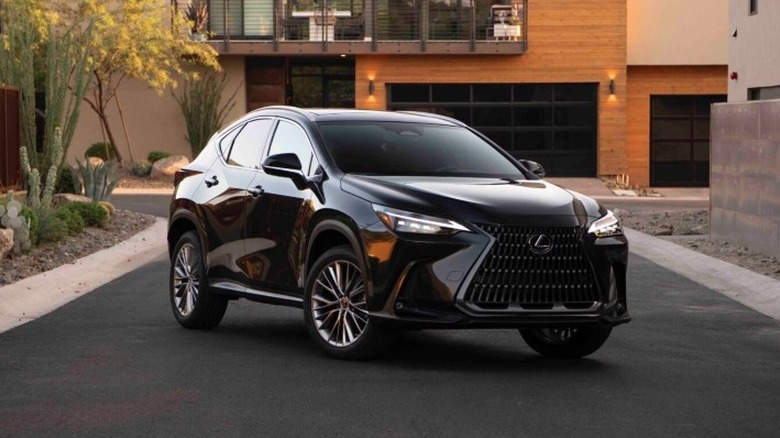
column 512, row 275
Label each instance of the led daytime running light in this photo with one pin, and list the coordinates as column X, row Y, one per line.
column 607, row 226
column 407, row 222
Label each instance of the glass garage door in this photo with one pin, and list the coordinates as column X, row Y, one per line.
column 680, row 140
column 554, row 124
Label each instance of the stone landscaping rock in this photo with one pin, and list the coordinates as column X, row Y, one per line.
column 6, row 242
column 167, row 167
column 682, row 231
column 664, row 230
column 62, row 198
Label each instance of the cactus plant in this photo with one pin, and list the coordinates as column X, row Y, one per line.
column 35, row 197
column 98, row 180
column 11, row 217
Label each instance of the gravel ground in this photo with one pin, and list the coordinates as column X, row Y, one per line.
column 47, row 256
column 690, row 228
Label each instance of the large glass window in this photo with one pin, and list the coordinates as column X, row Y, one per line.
column 322, row 84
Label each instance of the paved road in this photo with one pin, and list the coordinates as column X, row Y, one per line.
column 115, row 363
column 156, row 205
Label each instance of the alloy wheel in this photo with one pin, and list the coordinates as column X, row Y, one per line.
column 338, row 303
column 186, row 279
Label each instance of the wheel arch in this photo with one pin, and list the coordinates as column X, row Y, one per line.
column 181, row 222
column 330, row 233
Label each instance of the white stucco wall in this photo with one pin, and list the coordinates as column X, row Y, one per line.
column 154, row 121
column 755, row 53
column 678, row 32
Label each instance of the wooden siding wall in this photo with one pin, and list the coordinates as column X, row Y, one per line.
column 568, row 41
column 645, row 81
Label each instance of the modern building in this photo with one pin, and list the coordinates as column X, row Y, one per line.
column 754, row 59
column 745, row 165
column 587, row 88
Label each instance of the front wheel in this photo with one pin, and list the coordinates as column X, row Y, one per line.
column 194, row 306
column 566, row 343
column 335, row 308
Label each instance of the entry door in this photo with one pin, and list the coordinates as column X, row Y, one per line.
column 680, row 140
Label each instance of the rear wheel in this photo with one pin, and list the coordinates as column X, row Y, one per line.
column 193, row 304
column 566, row 343
column 335, row 308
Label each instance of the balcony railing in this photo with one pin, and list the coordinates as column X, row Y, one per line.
column 366, row 26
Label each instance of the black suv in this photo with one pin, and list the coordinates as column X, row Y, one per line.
column 377, row 221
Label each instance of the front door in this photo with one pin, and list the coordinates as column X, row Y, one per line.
column 277, row 217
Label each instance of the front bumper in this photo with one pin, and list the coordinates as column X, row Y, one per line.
column 488, row 279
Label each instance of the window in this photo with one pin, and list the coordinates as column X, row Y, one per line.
column 290, row 138
column 764, row 93
column 249, row 144
column 753, row 7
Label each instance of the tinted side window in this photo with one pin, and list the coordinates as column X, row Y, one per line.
column 290, row 138
column 227, row 141
column 249, row 143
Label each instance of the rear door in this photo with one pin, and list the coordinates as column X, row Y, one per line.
column 225, row 210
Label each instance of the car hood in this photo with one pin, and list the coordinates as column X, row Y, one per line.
column 479, row 200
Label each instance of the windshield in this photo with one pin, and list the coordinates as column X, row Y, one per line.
column 393, row 148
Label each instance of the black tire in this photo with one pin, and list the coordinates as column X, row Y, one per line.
column 334, row 308
column 566, row 343
column 193, row 304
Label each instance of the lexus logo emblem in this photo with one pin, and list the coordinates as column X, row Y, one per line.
column 540, row 243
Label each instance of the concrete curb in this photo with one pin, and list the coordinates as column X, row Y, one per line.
column 132, row 191
column 759, row 292
column 33, row 297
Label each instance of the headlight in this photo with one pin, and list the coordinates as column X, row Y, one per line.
column 607, row 226
column 407, row 222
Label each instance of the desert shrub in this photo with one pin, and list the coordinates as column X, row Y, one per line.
column 66, row 180
column 32, row 219
column 101, row 150
column 142, row 168
column 157, row 155
column 93, row 213
column 51, row 228
column 71, row 218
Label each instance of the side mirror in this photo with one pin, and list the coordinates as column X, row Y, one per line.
column 534, row 167
column 285, row 165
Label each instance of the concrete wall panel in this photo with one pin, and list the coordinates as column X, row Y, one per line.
column 745, row 175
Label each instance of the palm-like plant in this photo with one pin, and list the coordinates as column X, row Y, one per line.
column 197, row 13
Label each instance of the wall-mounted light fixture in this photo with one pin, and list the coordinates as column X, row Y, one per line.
column 371, row 87
column 611, row 87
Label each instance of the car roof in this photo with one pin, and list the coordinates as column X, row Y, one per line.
column 357, row 115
